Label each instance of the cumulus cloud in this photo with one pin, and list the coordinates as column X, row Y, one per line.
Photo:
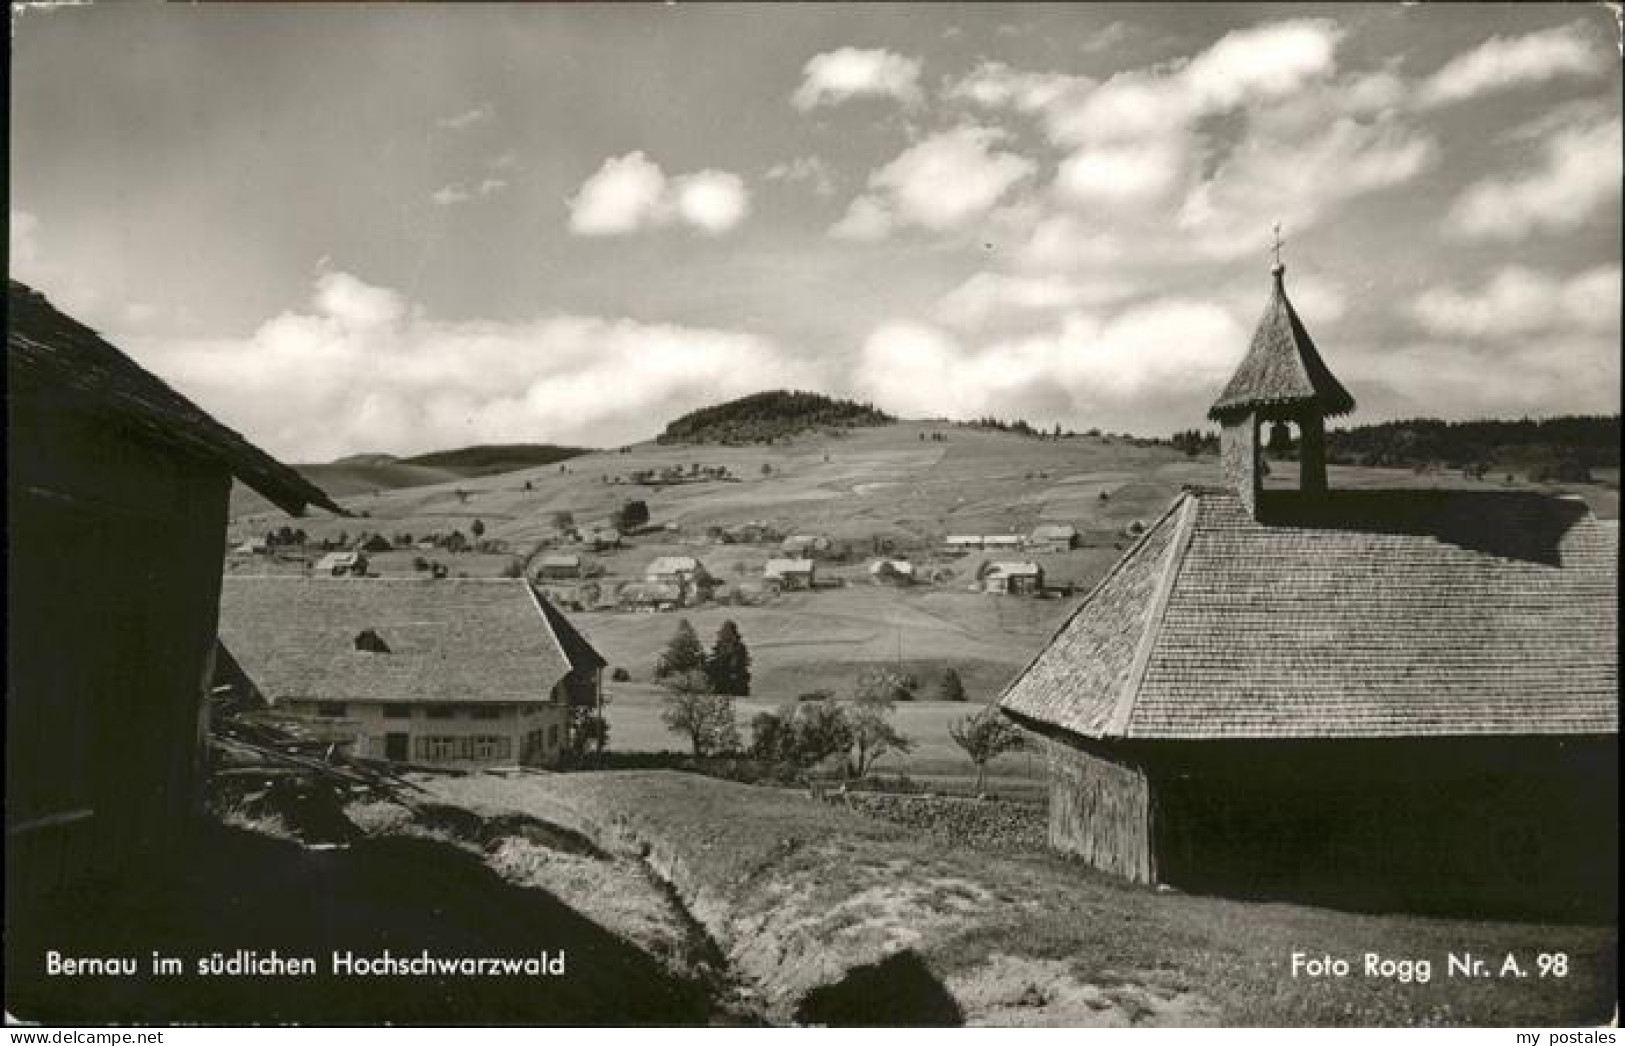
column 995, row 85
column 461, row 192
column 1266, row 179
column 630, row 193
column 1518, row 300
column 940, row 183
column 1577, row 175
column 1262, row 63
column 1154, row 362
column 1502, row 63
column 809, row 170
column 711, row 201
column 361, row 368
column 851, row 72
column 987, row 295
column 866, row 220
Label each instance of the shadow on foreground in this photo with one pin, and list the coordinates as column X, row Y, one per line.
column 235, row 890
column 898, row 991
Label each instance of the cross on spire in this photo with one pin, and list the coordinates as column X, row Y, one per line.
column 1276, row 247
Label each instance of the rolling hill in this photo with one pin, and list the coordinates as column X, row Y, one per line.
column 766, row 416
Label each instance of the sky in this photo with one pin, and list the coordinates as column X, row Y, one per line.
column 399, row 228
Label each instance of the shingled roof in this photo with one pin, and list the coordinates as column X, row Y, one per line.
column 64, row 365
column 460, row 641
column 1282, row 368
column 1357, row 614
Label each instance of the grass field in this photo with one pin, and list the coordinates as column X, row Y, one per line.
column 806, row 898
column 895, row 482
column 635, row 726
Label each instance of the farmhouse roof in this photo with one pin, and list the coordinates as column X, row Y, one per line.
column 781, row 567
column 337, row 559
column 650, row 592
column 65, row 365
column 1014, row 570
column 964, row 539
column 664, row 565
column 561, row 559
column 1381, row 613
column 1054, row 532
column 1282, row 368
column 463, row 641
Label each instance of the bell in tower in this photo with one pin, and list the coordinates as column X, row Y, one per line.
column 1281, row 379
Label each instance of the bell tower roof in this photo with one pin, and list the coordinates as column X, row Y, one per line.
column 1282, row 373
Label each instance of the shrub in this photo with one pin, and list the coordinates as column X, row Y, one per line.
column 620, row 675
column 952, row 688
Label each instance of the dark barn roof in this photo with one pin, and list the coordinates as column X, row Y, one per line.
column 59, row 362
column 1282, row 369
column 1358, row 614
column 462, row 641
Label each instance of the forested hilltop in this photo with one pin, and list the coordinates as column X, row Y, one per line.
column 1560, row 448
column 767, row 416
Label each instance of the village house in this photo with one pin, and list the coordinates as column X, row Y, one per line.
column 253, row 547
column 561, row 566
column 789, row 574
column 685, row 571
column 1013, row 579
column 340, row 563
column 466, row 672
column 805, row 546
column 1053, row 537
column 1002, row 542
column 1383, row 698
column 891, row 572
column 599, row 538
column 116, row 495
column 650, row 596
column 962, row 542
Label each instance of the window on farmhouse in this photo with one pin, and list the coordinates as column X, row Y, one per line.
column 488, row 712
column 441, row 712
column 393, row 711
column 330, row 709
column 491, row 747
column 440, row 749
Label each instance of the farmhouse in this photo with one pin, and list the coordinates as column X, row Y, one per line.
column 802, row 546
column 253, row 547
column 338, row 563
column 1004, row 542
column 446, row 673
column 1053, row 537
column 1013, row 579
column 600, row 538
column 559, row 567
column 116, row 495
column 651, row 596
column 676, row 570
column 962, row 542
column 891, row 572
column 1386, row 698
column 788, row 574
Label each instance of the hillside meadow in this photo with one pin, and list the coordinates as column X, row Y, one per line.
column 907, row 484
